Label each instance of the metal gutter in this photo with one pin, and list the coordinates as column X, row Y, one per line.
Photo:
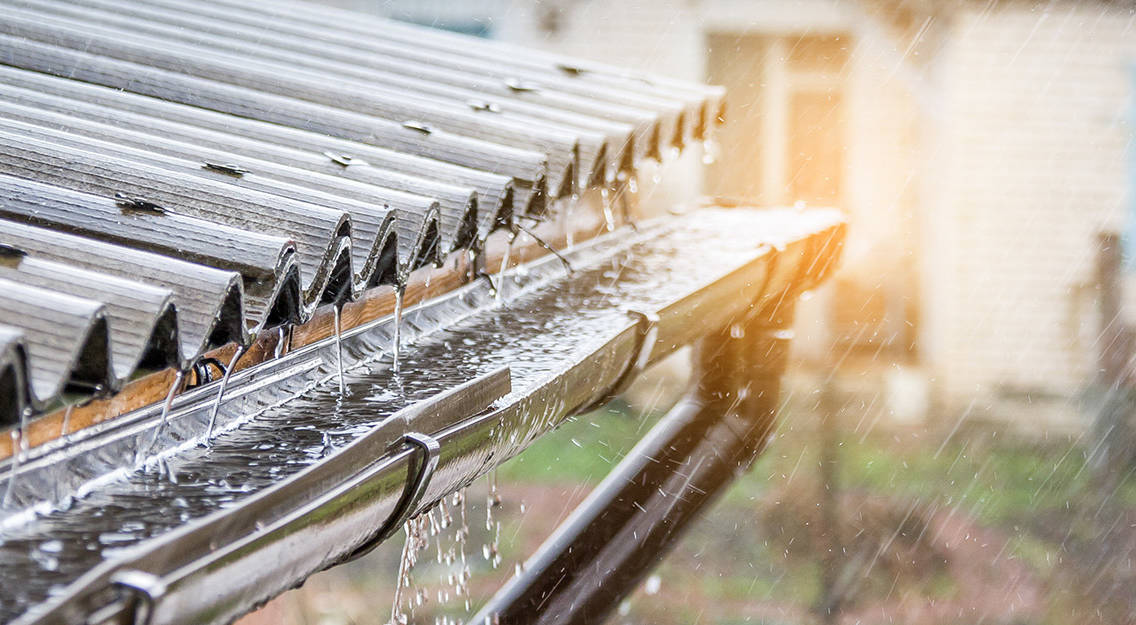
column 209, row 575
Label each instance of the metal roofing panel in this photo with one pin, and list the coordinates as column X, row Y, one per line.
column 526, row 167
column 509, row 64
column 251, row 160
column 141, row 317
column 290, row 146
column 144, row 56
column 65, row 337
column 369, row 206
column 243, row 50
column 267, row 263
column 209, row 301
column 707, row 99
column 152, row 192
column 216, row 151
column 255, row 256
column 255, row 40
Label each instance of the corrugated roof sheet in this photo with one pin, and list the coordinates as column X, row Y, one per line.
column 176, row 175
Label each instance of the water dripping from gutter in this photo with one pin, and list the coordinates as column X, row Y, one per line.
column 399, row 291
column 339, row 348
column 500, row 289
column 166, row 406
column 491, row 550
column 471, row 263
column 66, row 420
column 570, row 232
column 221, row 392
column 279, row 351
column 416, row 541
column 608, row 211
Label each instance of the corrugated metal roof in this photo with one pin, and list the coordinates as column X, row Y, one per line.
column 176, row 176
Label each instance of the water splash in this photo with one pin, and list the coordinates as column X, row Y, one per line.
column 339, row 348
column 241, row 349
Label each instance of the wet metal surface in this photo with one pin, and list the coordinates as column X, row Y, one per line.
column 544, row 333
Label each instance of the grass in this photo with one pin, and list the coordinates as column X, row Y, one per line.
column 582, row 449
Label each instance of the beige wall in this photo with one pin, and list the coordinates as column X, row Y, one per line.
column 1031, row 163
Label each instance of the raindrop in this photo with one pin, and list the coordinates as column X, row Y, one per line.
column 653, row 584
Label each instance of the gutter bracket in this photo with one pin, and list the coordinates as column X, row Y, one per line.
column 144, row 589
column 428, row 452
column 648, row 332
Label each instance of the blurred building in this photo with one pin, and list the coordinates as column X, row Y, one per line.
column 978, row 146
